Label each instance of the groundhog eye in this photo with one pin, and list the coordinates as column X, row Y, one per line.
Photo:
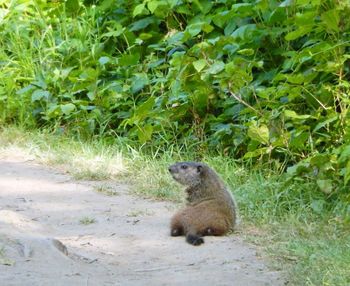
column 183, row 167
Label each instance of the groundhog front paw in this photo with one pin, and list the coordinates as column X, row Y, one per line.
column 194, row 239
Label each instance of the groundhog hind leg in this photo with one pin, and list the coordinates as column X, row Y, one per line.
column 183, row 222
column 209, row 220
column 176, row 225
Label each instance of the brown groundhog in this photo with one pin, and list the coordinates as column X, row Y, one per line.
column 210, row 210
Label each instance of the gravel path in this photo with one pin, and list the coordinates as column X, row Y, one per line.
column 44, row 241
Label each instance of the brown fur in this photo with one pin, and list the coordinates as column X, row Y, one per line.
column 210, row 208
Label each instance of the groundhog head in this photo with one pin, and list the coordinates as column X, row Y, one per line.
column 187, row 173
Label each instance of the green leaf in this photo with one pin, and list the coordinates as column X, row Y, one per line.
column 347, row 173
column 199, row 65
column 25, row 89
column 217, row 67
column 259, row 133
column 143, row 110
column 317, row 206
column 39, row 94
column 325, row 186
column 141, row 24
column 298, row 169
column 345, row 155
column 103, row 60
column 301, row 31
column 331, row 19
column 68, row 108
column 139, row 10
column 246, row 52
column 325, row 122
column 3, row 13
column 129, row 60
column 244, row 32
column 145, row 133
column 292, row 114
column 153, row 5
column 139, row 81
column 256, row 153
column 194, row 29
column 72, row 6
column 117, row 31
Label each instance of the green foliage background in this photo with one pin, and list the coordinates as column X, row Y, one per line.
column 257, row 80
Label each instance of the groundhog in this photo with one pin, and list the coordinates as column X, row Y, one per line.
column 210, row 209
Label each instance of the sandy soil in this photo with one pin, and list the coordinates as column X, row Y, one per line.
column 43, row 242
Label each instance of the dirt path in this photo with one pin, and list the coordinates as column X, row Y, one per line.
column 43, row 242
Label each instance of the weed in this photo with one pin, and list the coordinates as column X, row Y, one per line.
column 106, row 189
column 87, row 220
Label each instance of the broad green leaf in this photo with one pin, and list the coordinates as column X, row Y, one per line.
column 25, row 89
column 286, row 3
column 301, row 31
column 230, row 27
column 347, row 173
column 72, row 6
column 320, row 160
column 246, row 52
column 221, row 18
column 345, row 154
column 68, row 108
column 144, row 109
column 139, row 81
column 141, row 24
column 331, row 19
column 216, row 67
column 145, row 133
column 298, row 169
column 103, row 60
column 244, row 32
column 139, row 9
column 324, row 123
column 317, row 206
column 207, row 28
column 292, row 114
column 153, row 5
column 199, row 65
column 129, row 60
column 40, row 94
column 259, row 133
column 256, row 153
column 117, row 31
column 325, row 186
column 194, row 29
column 3, row 13
column 245, row 9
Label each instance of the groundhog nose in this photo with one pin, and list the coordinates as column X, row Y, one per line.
column 171, row 169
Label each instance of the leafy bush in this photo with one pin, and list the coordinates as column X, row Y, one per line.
column 259, row 80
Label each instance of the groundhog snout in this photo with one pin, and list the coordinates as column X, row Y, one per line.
column 172, row 169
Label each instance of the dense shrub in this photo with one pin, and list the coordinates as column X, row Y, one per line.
column 256, row 79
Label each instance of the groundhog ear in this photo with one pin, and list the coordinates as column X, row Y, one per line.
column 199, row 169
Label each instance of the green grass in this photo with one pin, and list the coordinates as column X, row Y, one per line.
column 87, row 220
column 306, row 239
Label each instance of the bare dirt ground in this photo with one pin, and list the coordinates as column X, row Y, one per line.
column 44, row 241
